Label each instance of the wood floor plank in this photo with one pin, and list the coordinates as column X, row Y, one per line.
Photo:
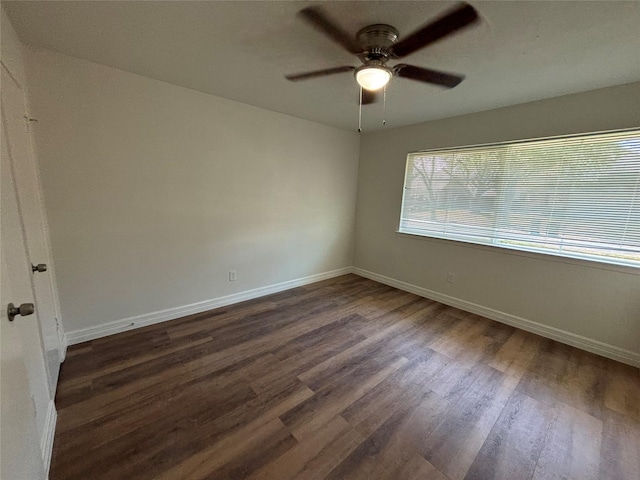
column 341, row 362
column 560, row 373
column 303, row 361
column 385, row 454
column 464, row 334
column 307, row 417
column 203, row 430
column 90, row 368
column 238, row 455
column 264, row 343
column 546, row 371
column 330, row 456
column 404, row 388
column 149, row 421
column 620, row 454
column 292, row 462
column 622, row 391
column 410, row 467
column 204, row 463
column 71, row 393
column 346, row 378
column 514, row 444
column 429, row 325
column 453, row 379
column 348, row 326
column 571, row 448
column 583, row 386
column 455, row 442
column 81, row 413
column 517, row 353
column 424, row 420
column 197, row 324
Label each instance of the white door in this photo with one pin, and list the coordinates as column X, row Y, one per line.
column 20, row 453
column 27, row 183
column 21, row 339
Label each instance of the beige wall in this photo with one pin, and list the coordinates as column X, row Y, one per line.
column 154, row 192
column 583, row 298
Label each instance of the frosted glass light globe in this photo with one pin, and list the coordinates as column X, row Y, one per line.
column 372, row 78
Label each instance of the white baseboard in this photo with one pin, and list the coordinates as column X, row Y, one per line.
column 584, row 343
column 117, row 326
column 46, row 442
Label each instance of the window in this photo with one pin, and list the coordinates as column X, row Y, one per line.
column 575, row 196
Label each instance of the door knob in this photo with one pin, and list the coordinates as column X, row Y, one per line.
column 23, row 310
column 41, row 267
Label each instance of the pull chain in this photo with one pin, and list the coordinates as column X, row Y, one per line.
column 360, row 113
column 384, row 106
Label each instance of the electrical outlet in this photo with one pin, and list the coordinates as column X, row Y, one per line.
column 232, row 275
column 451, row 277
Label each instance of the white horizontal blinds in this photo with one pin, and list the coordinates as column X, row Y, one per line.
column 573, row 193
column 576, row 196
column 452, row 192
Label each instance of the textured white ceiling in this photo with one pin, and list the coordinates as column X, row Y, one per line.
column 521, row 51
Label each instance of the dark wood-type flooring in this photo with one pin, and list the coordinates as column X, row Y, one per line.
column 343, row 379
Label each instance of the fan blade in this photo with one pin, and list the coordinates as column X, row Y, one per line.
column 319, row 73
column 427, row 75
column 450, row 22
column 369, row 97
column 318, row 19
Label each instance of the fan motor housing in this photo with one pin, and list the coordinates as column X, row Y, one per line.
column 377, row 35
column 376, row 40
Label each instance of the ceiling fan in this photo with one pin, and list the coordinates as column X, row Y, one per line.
column 376, row 44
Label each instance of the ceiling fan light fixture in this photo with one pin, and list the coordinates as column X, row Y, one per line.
column 373, row 77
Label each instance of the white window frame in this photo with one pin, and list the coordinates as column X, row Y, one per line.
column 498, row 242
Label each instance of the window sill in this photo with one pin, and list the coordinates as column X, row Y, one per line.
column 547, row 257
